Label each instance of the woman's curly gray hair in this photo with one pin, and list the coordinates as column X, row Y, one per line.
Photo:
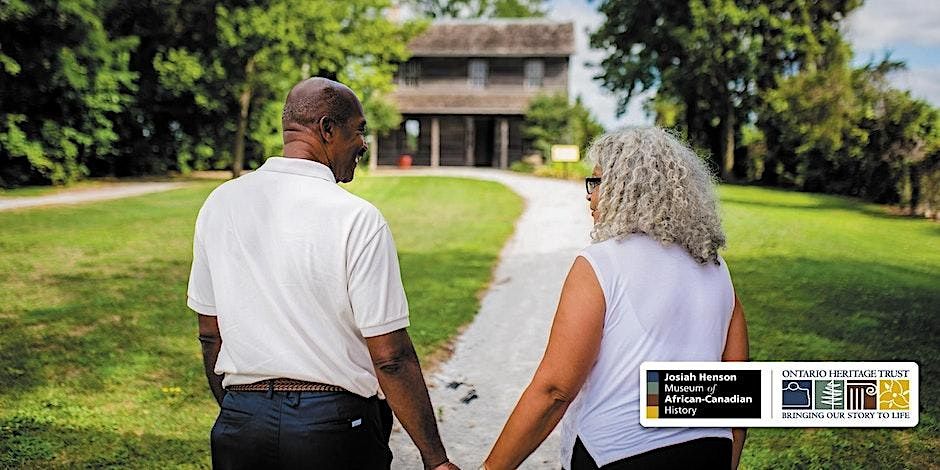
column 655, row 185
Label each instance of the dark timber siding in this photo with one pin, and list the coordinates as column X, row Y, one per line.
column 453, row 147
column 504, row 73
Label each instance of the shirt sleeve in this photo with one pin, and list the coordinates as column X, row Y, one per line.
column 375, row 290
column 199, row 295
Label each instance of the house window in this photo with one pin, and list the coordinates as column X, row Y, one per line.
column 409, row 73
column 534, row 73
column 412, row 133
column 477, row 73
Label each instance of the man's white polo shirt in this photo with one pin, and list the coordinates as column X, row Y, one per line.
column 299, row 272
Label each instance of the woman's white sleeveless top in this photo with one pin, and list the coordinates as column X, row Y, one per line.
column 662, row 305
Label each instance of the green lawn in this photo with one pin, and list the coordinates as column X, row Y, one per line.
column 99, row 362
column 827, row 278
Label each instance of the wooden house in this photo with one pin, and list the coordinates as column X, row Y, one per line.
column 464, row 92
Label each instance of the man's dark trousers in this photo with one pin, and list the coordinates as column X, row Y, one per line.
column 315, row 430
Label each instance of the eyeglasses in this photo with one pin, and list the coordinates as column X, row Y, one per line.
column 591, row 183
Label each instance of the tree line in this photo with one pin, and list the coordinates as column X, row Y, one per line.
column 765, row 89
column 135, row 87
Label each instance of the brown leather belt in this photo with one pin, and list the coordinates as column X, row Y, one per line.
column 285, row 385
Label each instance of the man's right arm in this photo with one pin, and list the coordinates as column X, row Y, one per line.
column 211, row 341
column 399, row 373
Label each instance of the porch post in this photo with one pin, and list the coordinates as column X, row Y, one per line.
column 470, row 138
column 435, row 142
column 503, row 143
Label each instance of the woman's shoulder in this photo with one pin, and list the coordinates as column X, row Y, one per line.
column 632, row 242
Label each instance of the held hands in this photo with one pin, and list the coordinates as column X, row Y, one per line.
column 446, row 466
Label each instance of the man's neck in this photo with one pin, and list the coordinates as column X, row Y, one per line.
column 303, row 150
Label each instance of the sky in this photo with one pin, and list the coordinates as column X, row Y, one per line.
column 908, row 29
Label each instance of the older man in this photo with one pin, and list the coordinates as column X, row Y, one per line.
column 302, row 315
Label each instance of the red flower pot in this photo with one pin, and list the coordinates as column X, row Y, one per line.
column 404, row 161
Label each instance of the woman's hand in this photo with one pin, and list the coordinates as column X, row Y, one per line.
column 446, row 466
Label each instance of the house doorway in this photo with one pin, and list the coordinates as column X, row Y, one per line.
column 484, row 143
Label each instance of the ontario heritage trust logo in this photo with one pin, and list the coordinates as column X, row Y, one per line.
column 845, row 393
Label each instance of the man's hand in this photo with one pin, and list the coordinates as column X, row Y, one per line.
column 446, row 466
column 211, row 341
column 399, row 374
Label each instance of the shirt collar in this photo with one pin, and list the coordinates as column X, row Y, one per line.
column 298, row 166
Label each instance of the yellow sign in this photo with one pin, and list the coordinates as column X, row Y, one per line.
column 565, row 153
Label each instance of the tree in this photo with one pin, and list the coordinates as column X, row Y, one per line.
column 551, row 119
column 176, row 121
column 843, row 130
column 263, row 44
column 712, row 56
column 214, row 74
column 62, row 80
column 480, row 8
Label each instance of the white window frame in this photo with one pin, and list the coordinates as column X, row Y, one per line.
column 477, row 73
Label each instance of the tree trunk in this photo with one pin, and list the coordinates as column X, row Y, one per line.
column 914, row 176
column 691, row 116
column 726, row 145
column 238, row 157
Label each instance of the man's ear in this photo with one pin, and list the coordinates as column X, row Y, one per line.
column 327, row 128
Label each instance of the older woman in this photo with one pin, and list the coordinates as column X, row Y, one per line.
column 651, row 287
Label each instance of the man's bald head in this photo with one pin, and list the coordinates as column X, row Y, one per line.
column 324, row 122
column 315, row 98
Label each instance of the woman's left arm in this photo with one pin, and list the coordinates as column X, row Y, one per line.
column 572, row 349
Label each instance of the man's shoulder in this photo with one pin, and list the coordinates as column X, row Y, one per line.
column 363, row 211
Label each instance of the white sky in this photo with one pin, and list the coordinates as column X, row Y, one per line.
column 909, row 29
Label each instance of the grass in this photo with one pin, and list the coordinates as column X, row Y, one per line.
column 100, row 364
column 826, row 278
column 98, row 354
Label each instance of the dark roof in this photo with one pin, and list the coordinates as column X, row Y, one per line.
column 487, row 38
column 470, row 103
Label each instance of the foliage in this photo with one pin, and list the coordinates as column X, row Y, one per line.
column 176, row 122
column 712, row 57
column 98, row 353
column 480, row 8
column 558, row 170
column 550, row 119
column 266, row 47
column 62, row 81
column 127, row 87
column 843, row 130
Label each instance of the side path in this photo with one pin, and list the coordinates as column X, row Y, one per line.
column 88, row 195
column 494, row 359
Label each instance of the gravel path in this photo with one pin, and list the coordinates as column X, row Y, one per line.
column 78, row 196
column 497, row 354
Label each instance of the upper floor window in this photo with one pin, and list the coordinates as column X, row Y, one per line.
column 478, row 73
column 534, row 73
column 409, row 73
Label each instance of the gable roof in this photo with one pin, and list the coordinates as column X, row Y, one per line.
column 489, row 38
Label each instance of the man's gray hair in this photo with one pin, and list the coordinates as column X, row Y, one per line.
column 653, row 184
